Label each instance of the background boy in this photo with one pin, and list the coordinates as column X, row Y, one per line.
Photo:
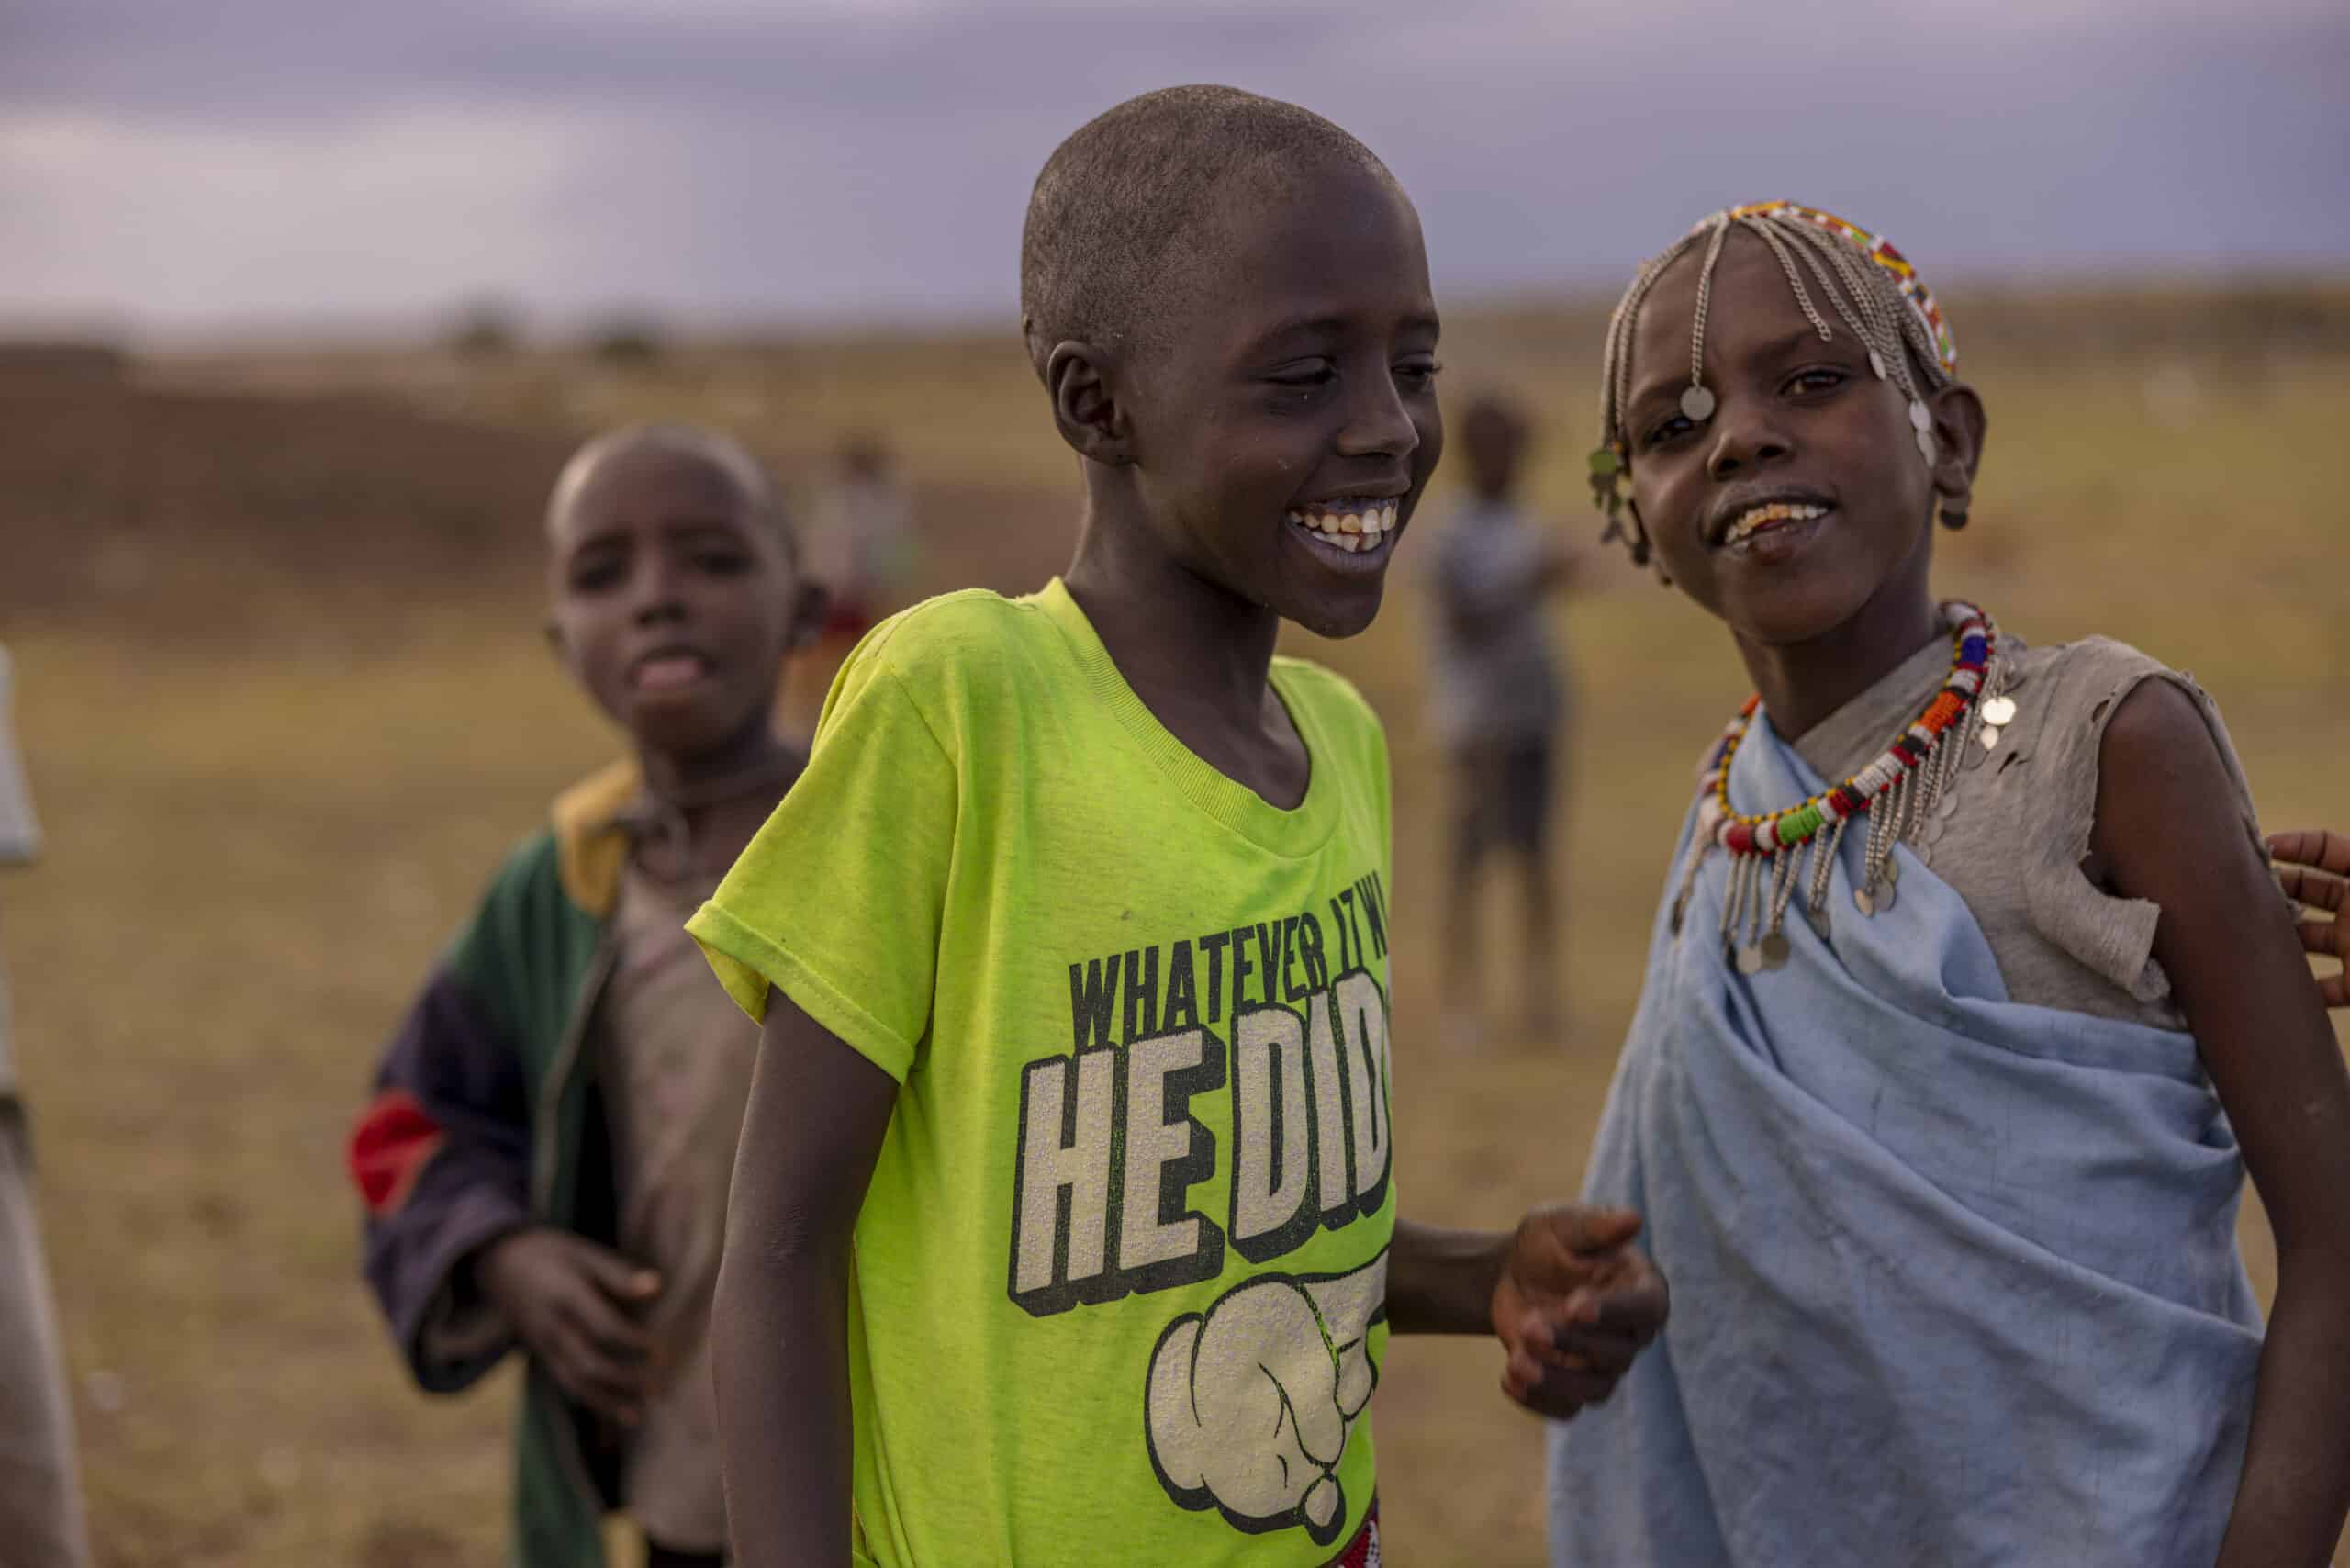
column 545, row 1162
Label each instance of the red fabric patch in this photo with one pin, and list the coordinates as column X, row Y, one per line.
column 1363, row 1551
column 390, row 1148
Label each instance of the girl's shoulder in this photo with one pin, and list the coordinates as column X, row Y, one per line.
column 2034, row 797
column 2087, row 672
column 2067, row 695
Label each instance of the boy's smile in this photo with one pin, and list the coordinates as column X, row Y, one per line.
column 1282, row 434
column 1361, row 528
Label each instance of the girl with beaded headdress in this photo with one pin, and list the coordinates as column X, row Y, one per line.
column 1970, row 1003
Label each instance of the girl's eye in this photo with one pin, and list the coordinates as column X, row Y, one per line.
column 1817, row 380
column 1418, row 373
column 1670, row 430
column 1318, row 373
column 722, row 562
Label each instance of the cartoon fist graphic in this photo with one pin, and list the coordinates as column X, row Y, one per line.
column 1250, row 1403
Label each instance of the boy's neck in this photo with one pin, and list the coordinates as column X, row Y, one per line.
column 1172, row 634
column 722, row 796
column 691, row 782
column 1803, row 683
column 1199, row 656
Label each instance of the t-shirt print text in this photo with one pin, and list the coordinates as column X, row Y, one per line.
column 1289, row 1015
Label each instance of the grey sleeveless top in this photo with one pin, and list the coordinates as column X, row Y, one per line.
column 2011, row 834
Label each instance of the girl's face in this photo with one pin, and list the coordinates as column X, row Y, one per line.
column 1803, row 497
column 1283, row 435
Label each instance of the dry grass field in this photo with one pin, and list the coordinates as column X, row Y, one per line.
column 276, row 628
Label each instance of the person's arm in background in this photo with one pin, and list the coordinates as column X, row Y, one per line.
column 778, row 1329
column 19, row 829
column 2314, row 863
column 460, row 1264
column 2166, row 831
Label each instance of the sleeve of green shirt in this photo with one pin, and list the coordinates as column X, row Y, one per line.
column 837, row 901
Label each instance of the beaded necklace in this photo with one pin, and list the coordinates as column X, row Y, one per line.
column 1908, row 780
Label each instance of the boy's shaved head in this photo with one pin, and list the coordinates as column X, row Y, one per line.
column 720, row 453
column 1102, row 253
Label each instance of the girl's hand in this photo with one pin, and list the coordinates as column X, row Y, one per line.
column 2312, row 865
column 1574, row 1304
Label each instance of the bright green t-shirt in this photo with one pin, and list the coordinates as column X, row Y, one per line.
column 1120, row 1278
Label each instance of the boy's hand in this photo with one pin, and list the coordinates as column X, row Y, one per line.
column 1575, row 1302
column 2313, row 864
column 573, row 1304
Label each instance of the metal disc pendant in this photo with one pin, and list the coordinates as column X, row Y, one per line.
column 1919, row 420
column 1891, row 874
column 1698, row 403
column 1819, row 918
column 1863, row 901
column 1876, row 363
column 1999, row 711
column 1991, row 735
column 1773, row 950
column 1750, row 961
column 1926, row 445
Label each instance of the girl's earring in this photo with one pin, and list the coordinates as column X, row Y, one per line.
column 1608, row 493
column 1954, row 515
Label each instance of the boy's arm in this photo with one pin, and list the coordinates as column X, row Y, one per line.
column 778, row 1330
column 1566, row 1293
column 442, row 1157
column 2225, row 939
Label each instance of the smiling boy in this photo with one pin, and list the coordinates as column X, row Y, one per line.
column 1065, row 1225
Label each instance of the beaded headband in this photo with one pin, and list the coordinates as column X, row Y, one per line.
column 1864, row 280
column 1879, row 250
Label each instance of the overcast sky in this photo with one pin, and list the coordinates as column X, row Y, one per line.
column 182, row 166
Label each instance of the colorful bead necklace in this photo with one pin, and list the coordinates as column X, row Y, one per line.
column 1908, row 780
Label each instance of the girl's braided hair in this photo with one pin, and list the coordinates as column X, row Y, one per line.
column 1868, row 286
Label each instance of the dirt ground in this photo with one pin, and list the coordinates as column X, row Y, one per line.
column 281, row 682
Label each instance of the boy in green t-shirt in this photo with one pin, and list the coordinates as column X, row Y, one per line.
column 1063, row 1229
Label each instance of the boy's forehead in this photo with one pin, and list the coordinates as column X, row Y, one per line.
column 1289, row 245
column 649, row 484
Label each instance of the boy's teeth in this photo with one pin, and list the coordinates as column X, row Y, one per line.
column 1348, row 528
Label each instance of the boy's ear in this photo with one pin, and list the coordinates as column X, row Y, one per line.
column 810, row 602
column 1082, row 380
column 1959, row 427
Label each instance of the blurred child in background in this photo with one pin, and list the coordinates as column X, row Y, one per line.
column 546, row 1159
column 1501, row 699
column 862, row 547
column 40, row 1499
